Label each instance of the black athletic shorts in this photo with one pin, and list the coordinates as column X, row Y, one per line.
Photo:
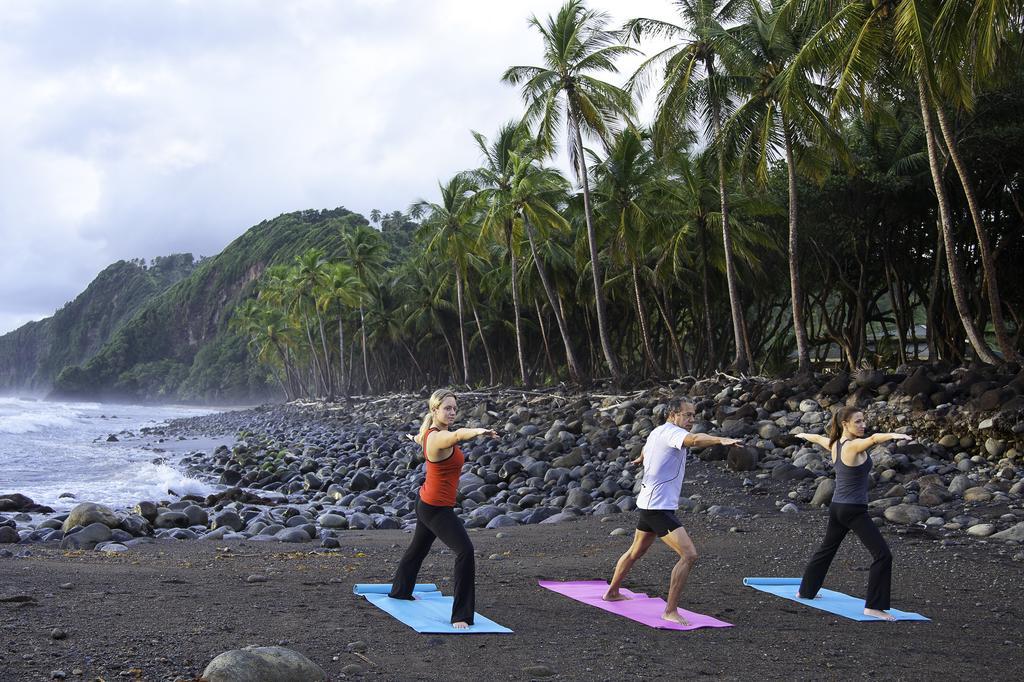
column 659, row 521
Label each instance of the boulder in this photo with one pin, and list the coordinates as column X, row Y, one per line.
column 823, row 494
column 741, row 459
column 266, row 664
column 1011, row 534
column 229, row 519
column 907, row 513
column 88, row 513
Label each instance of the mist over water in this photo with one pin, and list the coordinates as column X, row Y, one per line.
column 50, row 448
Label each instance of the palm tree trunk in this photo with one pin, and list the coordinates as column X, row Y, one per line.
column 742, row 360
column 595, row 265
column 988, row 262
column 341, row 357
column 462, row 329
column 642, row 316
column 487, row 347
column 515, row 305
column 575, row 373
column 328, row 377
column 803, row 357
column 318, row 375
column 366, row 361
column 544, row 338
column 953, row 267
column 931, row 316
column 677, row 349
column 709, row 332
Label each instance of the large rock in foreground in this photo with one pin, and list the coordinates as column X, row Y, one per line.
column 88, row 513
column 265, row 663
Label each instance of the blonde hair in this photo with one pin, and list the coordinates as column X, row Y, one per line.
column 436, row 398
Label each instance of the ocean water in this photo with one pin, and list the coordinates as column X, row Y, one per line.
column 49, row 448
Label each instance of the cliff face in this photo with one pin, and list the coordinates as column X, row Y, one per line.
column 33, row 355
column 177, row 346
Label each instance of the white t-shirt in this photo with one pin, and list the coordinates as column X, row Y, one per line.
column 664, row 468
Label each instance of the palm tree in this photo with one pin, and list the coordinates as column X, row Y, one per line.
column 864, row 42
column 533, row 193
column 341, row 289
column 448, row 229
column 627, row 186
column 495, row 181
column 782, row 108
column 365, row 251
column 309, row 276
column 576, row 44
column 695, row 82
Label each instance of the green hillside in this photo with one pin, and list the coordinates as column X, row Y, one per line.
column 33, row 355
column 178, row 345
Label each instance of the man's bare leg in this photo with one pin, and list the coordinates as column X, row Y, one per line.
column 682, row 545
column 642, row 541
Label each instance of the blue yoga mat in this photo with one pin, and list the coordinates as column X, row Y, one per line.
column 833, row 602
column 430, row 612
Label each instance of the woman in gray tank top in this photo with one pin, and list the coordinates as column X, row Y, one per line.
column 849, row 509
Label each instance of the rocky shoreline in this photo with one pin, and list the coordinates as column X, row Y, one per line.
column 311, row 472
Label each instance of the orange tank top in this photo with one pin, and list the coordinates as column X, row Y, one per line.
column 442, row 484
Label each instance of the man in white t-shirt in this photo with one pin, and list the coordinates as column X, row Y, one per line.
column 664, row 462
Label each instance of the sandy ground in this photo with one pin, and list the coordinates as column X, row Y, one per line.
column 163, row 611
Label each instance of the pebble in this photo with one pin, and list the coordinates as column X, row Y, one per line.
column 256, row 578
column 358, row 646
column 619, row 531
column 789, row 508
column 539, row 670
column 58, row 634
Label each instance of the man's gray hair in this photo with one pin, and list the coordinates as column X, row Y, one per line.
column 675, row 405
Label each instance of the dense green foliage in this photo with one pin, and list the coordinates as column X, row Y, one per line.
column 825, row 182
column 32, row 356
column 178, row 346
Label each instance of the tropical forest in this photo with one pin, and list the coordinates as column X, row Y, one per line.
column 821, row 184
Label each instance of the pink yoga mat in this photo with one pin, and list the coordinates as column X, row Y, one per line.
column 638, row 607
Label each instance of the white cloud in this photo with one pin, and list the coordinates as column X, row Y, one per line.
column 143, row 129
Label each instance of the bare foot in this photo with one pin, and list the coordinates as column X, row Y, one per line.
column 614, row 596
column 876, row 613
column 674, row 617
column 460, row 625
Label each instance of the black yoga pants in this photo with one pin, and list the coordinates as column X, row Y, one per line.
column 439, row 522
column 842, row 518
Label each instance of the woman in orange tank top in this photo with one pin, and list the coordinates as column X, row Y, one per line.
column 435, row 513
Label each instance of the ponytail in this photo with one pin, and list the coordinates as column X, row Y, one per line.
column 436, row 398
column 835, row 427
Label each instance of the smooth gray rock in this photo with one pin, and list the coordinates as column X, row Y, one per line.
column 823, row 493
column 332, row 521
column 907, row 513
column 228, row 519
column 293, row 535
column 1011, row 534
column 89, row 512
column 266, row 664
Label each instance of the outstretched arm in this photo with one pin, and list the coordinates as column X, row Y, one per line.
column 704, row 440
column 814, row 438
column 446, row 439
column 859, row 445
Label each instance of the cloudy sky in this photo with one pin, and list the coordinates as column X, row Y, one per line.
column 138, row 129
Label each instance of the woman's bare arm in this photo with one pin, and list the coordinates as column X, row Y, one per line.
column 859, row 445
column 814, row 438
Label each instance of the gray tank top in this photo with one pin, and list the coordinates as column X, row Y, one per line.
column 851, row 482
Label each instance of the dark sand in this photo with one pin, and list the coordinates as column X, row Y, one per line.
column 163, row 611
